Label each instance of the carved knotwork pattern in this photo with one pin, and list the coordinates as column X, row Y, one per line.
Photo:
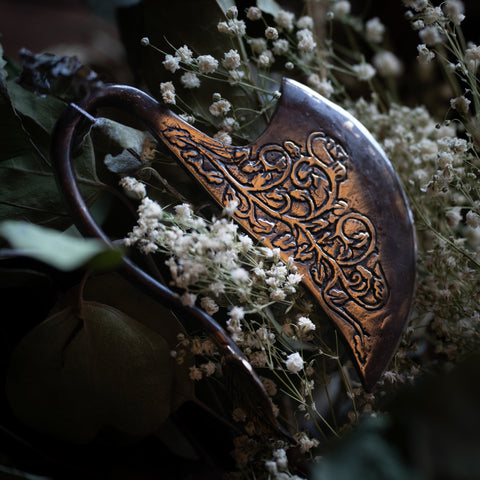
column 289, row 195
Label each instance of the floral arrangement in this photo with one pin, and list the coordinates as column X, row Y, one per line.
column 313, row 390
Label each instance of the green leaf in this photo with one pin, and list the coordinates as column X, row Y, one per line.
column 437, row 422
column 43, row 110
column 29, row 190
column 59, row 250
column 112, row 289
column 79, row 372
column 365, row 454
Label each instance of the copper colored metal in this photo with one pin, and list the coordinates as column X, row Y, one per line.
column 318, row 187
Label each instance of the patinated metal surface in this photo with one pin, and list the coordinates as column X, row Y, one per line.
column 318, row 187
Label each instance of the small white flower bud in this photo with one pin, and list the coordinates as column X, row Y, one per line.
column 232, row 12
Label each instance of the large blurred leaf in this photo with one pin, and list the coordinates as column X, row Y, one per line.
column 430, row 432
column 82, row 370
column 28, row 188
column 365, row 454
column 112, row 289
column 437, row 423
column 56, row 249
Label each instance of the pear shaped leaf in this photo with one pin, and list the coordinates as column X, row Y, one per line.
column 81, row 371
column 113, row 289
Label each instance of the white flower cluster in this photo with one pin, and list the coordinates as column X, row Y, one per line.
column 133, row 186
column 436, row 166
column 213, row 259
column 168, row 92
column 305, row 442
column 203, row 64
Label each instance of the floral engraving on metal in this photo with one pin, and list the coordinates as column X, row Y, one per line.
column 288, row 195
column 316, row 185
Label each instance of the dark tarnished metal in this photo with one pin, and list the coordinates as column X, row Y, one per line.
column 317, row 186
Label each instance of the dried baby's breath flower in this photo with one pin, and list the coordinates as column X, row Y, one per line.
column 305, row 442
column 209, row 305
column 455, row 10
column 433, row 15
column 284, row 20
column 374, row 30
column 430, row 36
column 305, row 324
column 305, row 22
column 321, row 85
column 171, row 63
column 294, row 362
column 190, row 80
column 460, row 104
column 418, row 24
column 233, row 27
column 231, row 59
column 220, row 107
column 185, row 54
column 280, row 47
column 364, row 71
column 387, row 64
column 271, row 33
column 232, row 12
column 425, row 55
column 472, row 57
column 235, row 76
column 254, row 13
column 473, row 219
column 258, row 45
column 306, row 43
column 195, row 373
column 208, row 368
column 188, row 118
column 229, row 124
column 132, row 185
column 265, row 59
column 341, row 8
column 188, row 299
column 207, row 64
column 168, row 92
column 223, row 137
